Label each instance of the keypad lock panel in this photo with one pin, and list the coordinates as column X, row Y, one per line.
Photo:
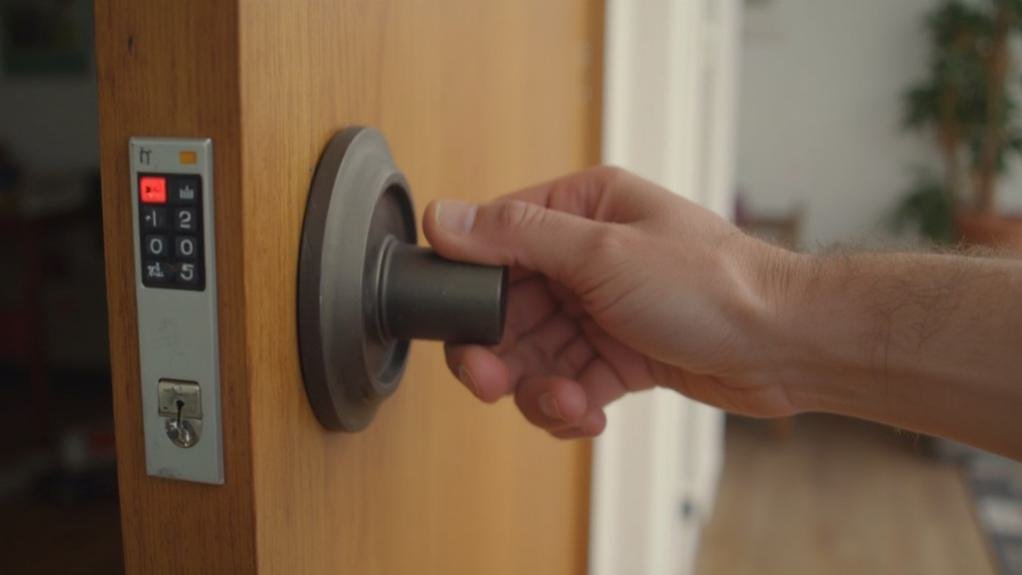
column 174, row 240
column 171, row 231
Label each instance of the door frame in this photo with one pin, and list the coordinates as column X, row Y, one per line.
column 669, row 66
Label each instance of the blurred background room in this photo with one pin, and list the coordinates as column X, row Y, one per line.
column 869, row 125
column 872, row 124
column 57, row 479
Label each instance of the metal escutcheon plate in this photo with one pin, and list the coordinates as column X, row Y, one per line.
column 359, row 203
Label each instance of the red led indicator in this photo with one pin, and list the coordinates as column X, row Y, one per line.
column 153, row 189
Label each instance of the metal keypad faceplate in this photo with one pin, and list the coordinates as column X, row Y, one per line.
column 174, row 237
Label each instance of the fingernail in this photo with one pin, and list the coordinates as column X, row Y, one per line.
column 466, row 378
column 548, row 405
column 454, row 216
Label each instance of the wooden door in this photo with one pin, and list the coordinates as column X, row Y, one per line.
column 476, row 98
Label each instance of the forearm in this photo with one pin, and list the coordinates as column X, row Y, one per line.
column 931, row 343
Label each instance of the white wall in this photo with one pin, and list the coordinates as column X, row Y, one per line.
column 820, row 112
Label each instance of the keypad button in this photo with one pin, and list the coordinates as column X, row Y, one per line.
column 184, row 220
column 156, row 272
column 154, row 218
column 152, row 189
column 185, row 190
column 155, row 246
column 189, row 274
column 185, row 247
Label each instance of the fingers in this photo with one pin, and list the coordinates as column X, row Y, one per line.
column 561, row 379
column 601, row 383
column 565, row 407
column 529, row 303
column 513, row 233
column 560, row 406
column 547, row 228
column 627, row 366
column 530, row 309
column 593, row 424
column 554, row 347
column 602, row 193
column 536, row 353
column 480, row 370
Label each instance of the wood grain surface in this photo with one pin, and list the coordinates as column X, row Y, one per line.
column 476, row 98
column 172, row 70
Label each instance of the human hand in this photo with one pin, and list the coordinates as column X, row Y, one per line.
column 617, row 285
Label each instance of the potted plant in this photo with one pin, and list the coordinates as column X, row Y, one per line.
column 968, row 104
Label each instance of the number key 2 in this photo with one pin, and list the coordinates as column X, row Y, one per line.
column 184, row 219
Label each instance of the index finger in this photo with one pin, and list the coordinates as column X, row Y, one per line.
column 602, row 193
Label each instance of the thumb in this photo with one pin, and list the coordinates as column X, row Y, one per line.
column 512, row 233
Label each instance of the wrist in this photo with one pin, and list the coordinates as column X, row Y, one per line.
column 777, row 284
column 816, row 344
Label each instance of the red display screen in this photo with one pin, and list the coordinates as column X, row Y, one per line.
column 153, row 189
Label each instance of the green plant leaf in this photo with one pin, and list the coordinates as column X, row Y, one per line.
column 927, row 209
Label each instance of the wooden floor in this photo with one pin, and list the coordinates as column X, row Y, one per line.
column 838, row 497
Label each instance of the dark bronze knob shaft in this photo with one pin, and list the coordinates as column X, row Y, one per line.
column 424, row 296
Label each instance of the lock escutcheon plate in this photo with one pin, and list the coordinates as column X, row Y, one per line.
column 365, row 290
column 359, row 202
column 171, row 391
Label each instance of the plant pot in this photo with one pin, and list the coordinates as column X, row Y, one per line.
column 991, row 230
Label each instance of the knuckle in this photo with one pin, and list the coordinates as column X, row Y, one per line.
column 514, row 215
column 573, row 360
column 610, row 243
column 533, row 353
column 510, row 215
column 608, row 177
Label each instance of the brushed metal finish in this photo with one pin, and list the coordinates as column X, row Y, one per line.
column 178, row 331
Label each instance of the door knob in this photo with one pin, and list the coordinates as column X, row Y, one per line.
column 365, row 289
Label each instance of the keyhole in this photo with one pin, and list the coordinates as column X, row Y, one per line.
column 181, row 431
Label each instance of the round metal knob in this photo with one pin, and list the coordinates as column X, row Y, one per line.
column 365, row 290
